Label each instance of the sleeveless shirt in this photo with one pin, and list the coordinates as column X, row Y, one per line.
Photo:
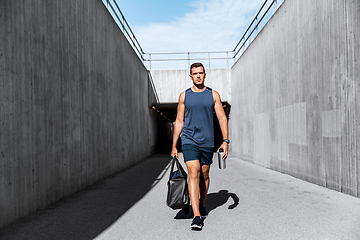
column 198, row 128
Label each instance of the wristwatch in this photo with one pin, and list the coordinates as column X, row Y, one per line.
column 226, row 140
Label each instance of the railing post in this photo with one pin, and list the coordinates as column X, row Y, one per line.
column 275, row 1
column 150, row 61
column 107, row 4
column 188, row 60
column 227, row 60
column 209, row 60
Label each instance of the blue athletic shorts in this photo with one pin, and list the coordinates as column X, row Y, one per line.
column 203, row 154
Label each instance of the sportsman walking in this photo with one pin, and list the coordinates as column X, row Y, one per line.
column 194, row 122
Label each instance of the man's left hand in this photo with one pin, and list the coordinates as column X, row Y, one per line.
column 225, row 147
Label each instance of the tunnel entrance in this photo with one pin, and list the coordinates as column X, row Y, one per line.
column 166, row 116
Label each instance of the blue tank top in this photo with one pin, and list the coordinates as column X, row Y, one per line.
column 198, row 128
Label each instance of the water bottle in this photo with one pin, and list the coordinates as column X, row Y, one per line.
column 222, row 163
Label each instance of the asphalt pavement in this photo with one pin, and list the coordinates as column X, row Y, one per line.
column 245, row 201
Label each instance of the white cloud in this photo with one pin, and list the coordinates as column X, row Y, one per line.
column 213, row 25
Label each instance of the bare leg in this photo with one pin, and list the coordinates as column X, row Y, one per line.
column 193, row 185
column 204, row 183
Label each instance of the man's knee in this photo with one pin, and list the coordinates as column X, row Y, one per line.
column 204, row 177
column 193, row 168
column 205, row 169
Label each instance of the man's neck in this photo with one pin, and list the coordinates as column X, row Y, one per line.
column 198, row 88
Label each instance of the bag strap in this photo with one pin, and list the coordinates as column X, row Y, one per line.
column 173, row 160
column 180, row 168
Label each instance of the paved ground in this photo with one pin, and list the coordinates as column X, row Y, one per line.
column 245, row 201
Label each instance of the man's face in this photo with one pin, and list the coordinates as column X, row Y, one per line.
column 198, row 75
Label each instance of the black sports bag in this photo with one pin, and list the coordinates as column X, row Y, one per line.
column 178, row 195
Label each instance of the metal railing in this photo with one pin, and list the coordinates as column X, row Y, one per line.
column 191, row 56
column 253, row 27
column 124, row 26
column 152, row 84
column 252, row 31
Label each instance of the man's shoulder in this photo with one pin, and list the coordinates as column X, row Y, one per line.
column 186, row 91
column 215, row 92
column 216, row 95
column 182, row 96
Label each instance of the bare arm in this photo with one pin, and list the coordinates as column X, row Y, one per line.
column 220, row 114
column 179, row 123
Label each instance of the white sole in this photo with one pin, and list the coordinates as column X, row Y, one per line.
column 195, row 227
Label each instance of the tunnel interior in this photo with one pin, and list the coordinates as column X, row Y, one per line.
column 166, row 116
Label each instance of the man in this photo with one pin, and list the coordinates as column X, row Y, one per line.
column 194, row 121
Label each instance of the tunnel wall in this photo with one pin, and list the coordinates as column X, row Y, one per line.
column 297, row 107
column 170, row 83
column 74, row 102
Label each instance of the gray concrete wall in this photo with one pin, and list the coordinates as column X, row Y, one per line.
column 170, row 83
column 74, row 102
column 297, row 105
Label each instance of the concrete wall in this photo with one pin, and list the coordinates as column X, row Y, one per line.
column 170, row 83
column 74, row 102
column 297, row 105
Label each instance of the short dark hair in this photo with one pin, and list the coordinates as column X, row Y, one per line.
column 195, row 65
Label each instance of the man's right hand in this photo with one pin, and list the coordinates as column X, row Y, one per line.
column 174, row 152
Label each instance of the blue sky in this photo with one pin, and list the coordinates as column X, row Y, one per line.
column 141, row 12
column 189, row 25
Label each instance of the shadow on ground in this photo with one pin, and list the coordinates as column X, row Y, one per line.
column 213, row 200
column 89, row 212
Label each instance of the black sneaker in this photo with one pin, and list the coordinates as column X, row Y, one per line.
column 203, row 212
column 197, row 223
